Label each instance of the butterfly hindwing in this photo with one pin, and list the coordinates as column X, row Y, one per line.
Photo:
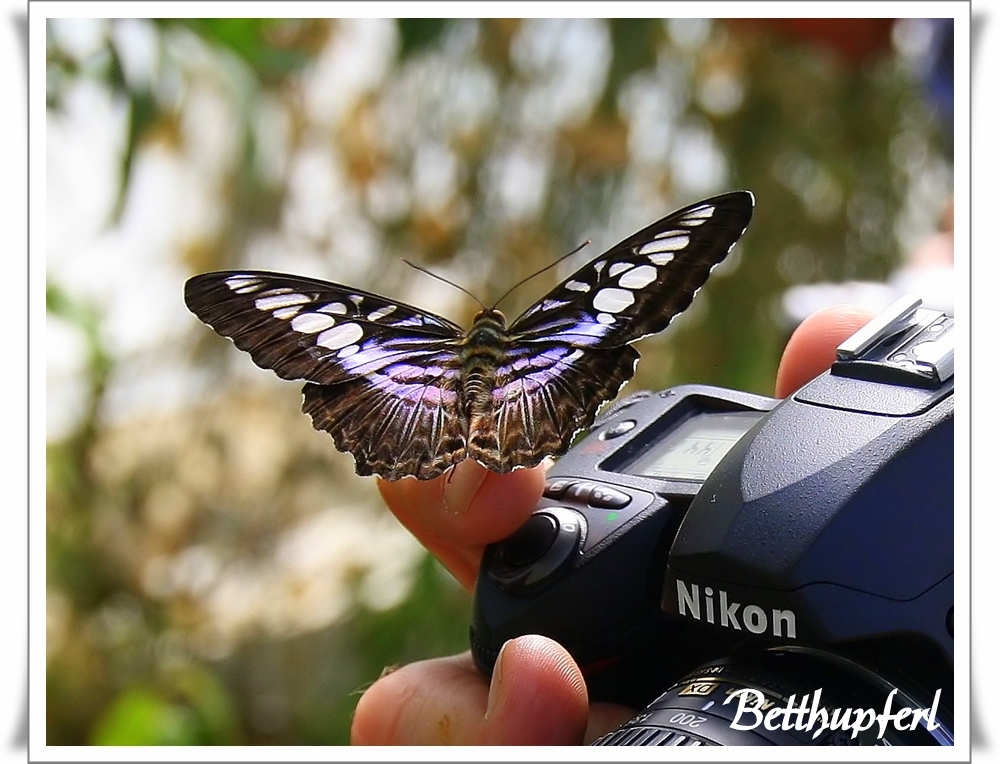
column 404, row 419
column 636, row 287
column 544, row 395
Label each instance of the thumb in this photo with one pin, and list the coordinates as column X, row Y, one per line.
column 537, row 696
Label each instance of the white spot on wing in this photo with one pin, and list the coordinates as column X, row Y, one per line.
column 672, row 244
column 638, row 277
column 283, row 314
column 348, row 351
column 661, row 259
column 599, row 265
column 613, row 300
column 553, row 304
column 336, row 308
column 310, row 323
column 236, row 283
column 340, row 336
column 617, row 268
column 378, row 315
column 698, row 216
column 409, row 321
column 605, row 318
column 577, row 286
column 280, row 301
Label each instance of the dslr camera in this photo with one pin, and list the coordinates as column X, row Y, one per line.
column 753, row 571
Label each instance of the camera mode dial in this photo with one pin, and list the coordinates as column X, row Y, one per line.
column 539, row 549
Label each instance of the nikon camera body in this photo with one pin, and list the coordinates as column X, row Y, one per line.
column 755, row 571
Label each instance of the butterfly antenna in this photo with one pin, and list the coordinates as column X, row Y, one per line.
column 449, row 283
column 553, row 264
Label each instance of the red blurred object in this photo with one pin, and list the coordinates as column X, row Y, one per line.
column 854, row 40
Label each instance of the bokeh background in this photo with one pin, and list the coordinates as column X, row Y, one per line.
column 216, row 573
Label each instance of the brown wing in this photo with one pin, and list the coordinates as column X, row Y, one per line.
column 402, row 419
column 544, row 394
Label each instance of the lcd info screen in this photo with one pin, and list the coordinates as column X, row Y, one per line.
column 694, row 447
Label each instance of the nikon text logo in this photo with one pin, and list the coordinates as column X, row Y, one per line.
column 701, row 605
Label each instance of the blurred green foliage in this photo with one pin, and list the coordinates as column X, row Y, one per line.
column 147, row 517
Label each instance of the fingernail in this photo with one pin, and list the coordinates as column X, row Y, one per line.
column 495, row 682
column 461, row 484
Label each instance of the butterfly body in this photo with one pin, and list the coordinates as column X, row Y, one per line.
column 410, row 393
column 480, row 352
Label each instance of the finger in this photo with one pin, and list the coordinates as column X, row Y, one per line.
column 456, row 515
column 537, row 697
column 434, row 702
column 811, row 350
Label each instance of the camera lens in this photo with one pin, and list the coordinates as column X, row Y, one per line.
column 789, row 696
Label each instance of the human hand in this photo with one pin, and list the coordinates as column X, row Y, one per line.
column 537, row 695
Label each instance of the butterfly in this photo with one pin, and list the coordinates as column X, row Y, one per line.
column 407, row 392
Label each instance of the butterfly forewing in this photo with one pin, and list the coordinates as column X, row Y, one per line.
column 410, row 393
column 636, row 287
column 314, row 330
